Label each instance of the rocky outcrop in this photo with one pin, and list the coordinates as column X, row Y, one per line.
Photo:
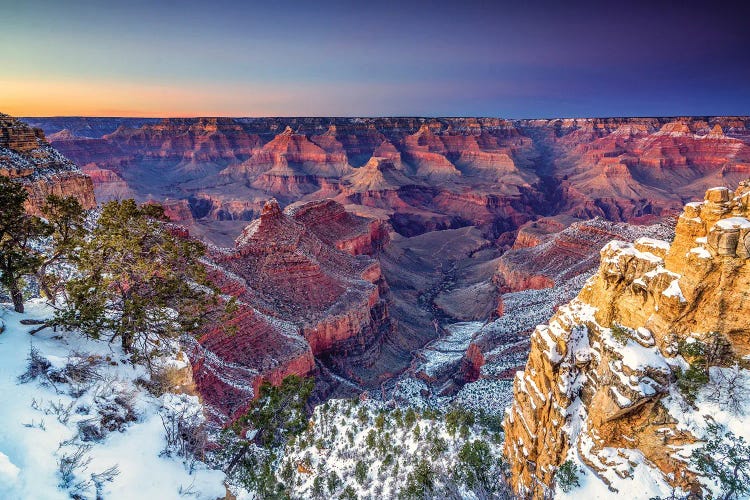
column 302, row 289
column 546, row 255
column 28, row 158
column 599, row 384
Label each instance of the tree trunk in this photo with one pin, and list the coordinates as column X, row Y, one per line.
column 41, row 278
column 17, row 296
column 127, row 341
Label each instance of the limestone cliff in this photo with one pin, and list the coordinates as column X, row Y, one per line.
column 600, row 383
column 28, row 158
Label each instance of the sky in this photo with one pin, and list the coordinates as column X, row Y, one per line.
column 520, row 59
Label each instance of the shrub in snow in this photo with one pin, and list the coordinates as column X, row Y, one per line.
column 185, row 429
column 154, row 287
column 38, row 367
column 18, row 232
column 566, row 477
column 725, row 460
column 730, row 389
column 620, row 334
column 691, row 380
column 251, row 448
column 477, row 468
column 420, row 482
column 69, row 464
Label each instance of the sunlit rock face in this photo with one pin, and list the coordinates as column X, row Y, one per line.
column 601, row 373
column 28, row 158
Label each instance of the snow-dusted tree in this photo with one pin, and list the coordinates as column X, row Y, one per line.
column 725, row 460
column 66, row 218
column 18, row 232
column 730, row 389
column 138, row 281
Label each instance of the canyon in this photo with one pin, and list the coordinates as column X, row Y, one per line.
column 388, row 254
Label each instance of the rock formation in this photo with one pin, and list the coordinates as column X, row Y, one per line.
column 303, row 288
column 438, row 173
column 599, row 386
column 27, row 157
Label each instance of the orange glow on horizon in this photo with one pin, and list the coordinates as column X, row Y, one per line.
column 74, row 98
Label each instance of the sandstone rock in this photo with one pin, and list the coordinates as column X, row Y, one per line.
column 655, row 294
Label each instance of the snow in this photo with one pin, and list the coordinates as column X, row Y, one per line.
column 624, row 248
column 336, row 441
column 654, row 243
column 33, row 438
column 733, row 223
column 673, row 290
column 447, row 352
column 701, row 252
column 8, row 470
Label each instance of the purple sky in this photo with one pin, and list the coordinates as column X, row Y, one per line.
column 459, row 58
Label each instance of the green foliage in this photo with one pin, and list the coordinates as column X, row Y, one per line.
column 566, row 476
column 620, row 334
column 360, row 472
column 362, row 415
column 67, row 223
column 277, row 415
column 333, row 481
column 430, row 414
column 380, row 421
column 725, row 460
column 475, row 463
column 409, row 418
column 693, row 350
column 138, row 282
column 256, row 471
column 493, row 423
column 464, row 431
column 398, row 417
column 370, row 440
column 348, row 494
column 278, row 412
column 317, row 487
column 18, row 231
column 690, row 381
column 456, row 418
column 420, row 482
column 438, row 447
column 287, row 472
column 701, row 354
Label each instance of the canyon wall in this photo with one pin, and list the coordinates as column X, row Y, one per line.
column 301, row 288
column 420, row 173
column 600, row 384
column 28, row 158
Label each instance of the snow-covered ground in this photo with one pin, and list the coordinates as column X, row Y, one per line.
column 108, row 419
column 387, row 446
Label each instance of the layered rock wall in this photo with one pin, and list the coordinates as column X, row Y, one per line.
column 600, row 373
column 26, row 157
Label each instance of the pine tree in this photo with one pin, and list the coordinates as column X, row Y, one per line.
column 67, row 219
column 138, row 281
column 18, row 231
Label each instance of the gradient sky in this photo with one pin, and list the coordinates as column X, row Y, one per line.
column 349, row 58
